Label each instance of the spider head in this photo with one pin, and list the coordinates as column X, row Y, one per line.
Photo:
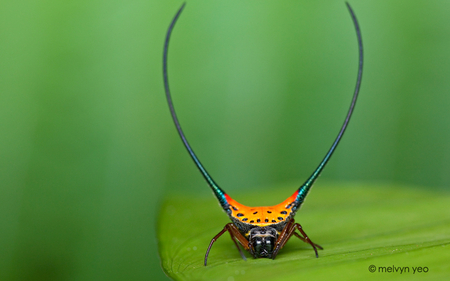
column 262, row 241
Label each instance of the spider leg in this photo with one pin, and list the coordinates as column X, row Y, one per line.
column 236, row 236
column 285, row 234
column 306, row 239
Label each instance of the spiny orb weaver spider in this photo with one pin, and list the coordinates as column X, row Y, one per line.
column 262, row 231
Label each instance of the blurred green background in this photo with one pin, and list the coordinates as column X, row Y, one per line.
column 88, row 149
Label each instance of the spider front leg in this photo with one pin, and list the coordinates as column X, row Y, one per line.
column 287, row 233
column 235, row 235
column 306, row 239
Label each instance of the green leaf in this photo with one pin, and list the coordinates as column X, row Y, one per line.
column 358, row 226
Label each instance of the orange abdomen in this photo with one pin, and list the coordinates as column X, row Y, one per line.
column 262, row 216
